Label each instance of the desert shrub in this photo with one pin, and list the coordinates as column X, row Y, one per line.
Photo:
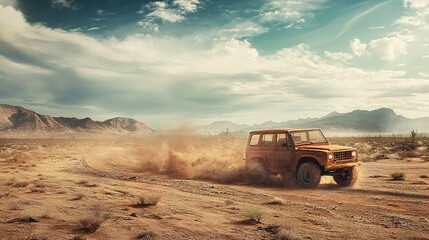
column 79, row 238
column 146, row 235
column 379, row 156
column 406, row 154
column 413, row 135
column 398, row 176
column 253, row 214
column 21, row 184
column 287, row 234
column 37, row 190
column 276, row 201
column 148, row 200
column 94, row 220
column 33, row 237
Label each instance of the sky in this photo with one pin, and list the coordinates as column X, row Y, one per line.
column 181, row 62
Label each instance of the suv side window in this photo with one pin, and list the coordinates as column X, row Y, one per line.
column 282, row 140
column 254, row 140
column 268, row 140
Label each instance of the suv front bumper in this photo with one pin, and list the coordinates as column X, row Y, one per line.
column 341, row 165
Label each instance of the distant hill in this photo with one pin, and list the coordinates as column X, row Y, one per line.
column 379, row 120
column 219, row 126
column 21, row 120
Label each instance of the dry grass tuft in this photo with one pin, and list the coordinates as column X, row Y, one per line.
column 145, row 200
column 253, row 215
column 37, row 190
column 79, row 238
column 287, row 234
column 276, row 201
column 20, row 184
column 93, row 221
column 146, row 235
column 33, row 237
column 398, row 176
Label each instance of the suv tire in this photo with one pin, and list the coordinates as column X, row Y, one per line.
column 348, row 178
column 256, row 171
column 309, row 175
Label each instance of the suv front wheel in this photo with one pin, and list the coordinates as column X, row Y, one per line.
column 309, row 175
column 348, row 177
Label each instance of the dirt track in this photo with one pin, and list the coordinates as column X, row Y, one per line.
column 58, row 182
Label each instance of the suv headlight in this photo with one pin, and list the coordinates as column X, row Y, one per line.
column 353, row 153
column 330, row 156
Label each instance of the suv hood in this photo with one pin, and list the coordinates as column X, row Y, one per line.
column 324, row 147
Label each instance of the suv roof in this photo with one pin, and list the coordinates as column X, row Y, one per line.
column 282, row 130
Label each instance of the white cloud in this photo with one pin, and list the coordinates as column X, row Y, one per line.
column 417, row 3
column 358, row 48
column 63, row 4
column 421, row 6
column 167, row 15
column 376, row 28
column 163, row 77
column 187, row 5
column 292, row 12
column 148, row 25
column 392, row 47
column 241, row 29
column 13, row 3
column 155, row 11
column 412, row 21
column 338, row 56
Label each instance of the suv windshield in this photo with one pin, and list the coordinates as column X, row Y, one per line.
column 303, row 137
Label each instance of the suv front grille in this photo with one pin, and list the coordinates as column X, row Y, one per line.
column 341, row 156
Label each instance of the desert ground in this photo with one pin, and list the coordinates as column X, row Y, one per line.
column 195, row 187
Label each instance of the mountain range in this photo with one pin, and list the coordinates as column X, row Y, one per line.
column 15, row 119
column 383, row 120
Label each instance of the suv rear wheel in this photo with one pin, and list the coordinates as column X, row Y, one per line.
column 309, row 175
column 256, row 171
column 348, row 177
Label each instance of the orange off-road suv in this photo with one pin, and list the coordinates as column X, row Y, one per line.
column 301, row 155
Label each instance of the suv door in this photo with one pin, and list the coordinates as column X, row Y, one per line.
column 267, row 149
column 284, row 153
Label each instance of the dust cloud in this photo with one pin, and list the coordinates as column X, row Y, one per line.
column 215, row 158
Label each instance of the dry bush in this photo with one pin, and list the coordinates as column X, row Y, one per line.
column 34, row 237
column 20, row 184
column 287, row 234
column 37, row 190
column 380, row 156
column 406, row 154
column 146, row 200
column 253, row 215
column 93, row 221
column 79, row 238
column 146, row 235
column 276, row 201
column 398, row 176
